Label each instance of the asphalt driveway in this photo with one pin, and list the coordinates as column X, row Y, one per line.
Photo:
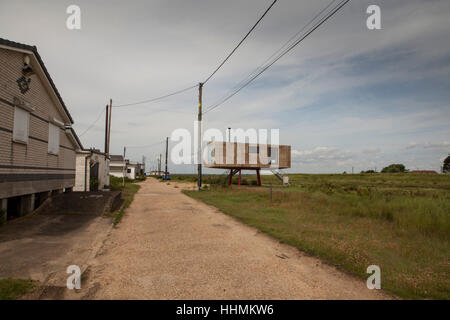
column 41, row 246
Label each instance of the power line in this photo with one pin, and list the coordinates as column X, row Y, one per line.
column 136, row 103
column 284, row 45
column 323, row 20
column 92, row 125
column 329, row 15
column 240, row 42
column 155, row 99
column 148, row 145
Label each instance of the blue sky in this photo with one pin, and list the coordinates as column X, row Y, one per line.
column 346, row 97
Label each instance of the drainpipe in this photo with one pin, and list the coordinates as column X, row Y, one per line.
column 85, row 173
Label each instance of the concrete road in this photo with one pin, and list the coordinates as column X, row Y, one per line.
column 41, row 246
column 169, row 246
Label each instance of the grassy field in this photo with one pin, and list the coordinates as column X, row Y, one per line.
column 128, row 192
column 11, row 289
column 400, row 222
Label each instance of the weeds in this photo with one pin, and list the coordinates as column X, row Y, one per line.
column 400, row 222
column 11, row 289
column 128, row 192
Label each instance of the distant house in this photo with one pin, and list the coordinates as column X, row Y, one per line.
column 92, row 171
column 132, row 170
column 156, row 173
column 140, row 169
column 424, row 171
column 37, row 142
column 117, row 166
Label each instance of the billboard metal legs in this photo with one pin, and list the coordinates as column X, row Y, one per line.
column 234, row 171
column 259, row 177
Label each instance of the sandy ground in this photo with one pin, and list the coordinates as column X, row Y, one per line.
column 169, row 246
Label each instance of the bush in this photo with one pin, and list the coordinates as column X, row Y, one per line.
column 394, row 168
column 93, row 184
column 140, row 178
column 115, row 183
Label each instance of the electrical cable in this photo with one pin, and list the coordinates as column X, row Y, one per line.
column 322, row 20
column 240, row 42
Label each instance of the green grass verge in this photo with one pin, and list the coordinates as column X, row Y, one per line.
column 11, row 289
column 398, row 222
column 128, row 192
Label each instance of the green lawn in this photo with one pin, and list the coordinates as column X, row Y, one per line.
column 128, row 191
column 11, row 289
column 400, row 222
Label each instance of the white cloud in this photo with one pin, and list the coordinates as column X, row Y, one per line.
column 429, row 145
column 138, row 50
column 320, row 154
column 371, row 150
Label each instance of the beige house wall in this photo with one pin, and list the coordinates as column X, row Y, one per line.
column 29, row 168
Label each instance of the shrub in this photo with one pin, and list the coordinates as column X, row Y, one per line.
column 394, row 168
column 93, row 184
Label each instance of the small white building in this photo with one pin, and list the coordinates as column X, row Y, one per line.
column 117, row 166
column 132, row 170
column 92, row 171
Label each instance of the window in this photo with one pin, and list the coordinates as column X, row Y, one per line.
column 252, row 149
column 128, row 170
column 21, row 125
column 273, row 155
column 53, row 139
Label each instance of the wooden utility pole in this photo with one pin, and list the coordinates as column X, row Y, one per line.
column 199, row 155
column 144, row 159
column 123, row 169
column 106, row 131
column 167, row 152
column 109, row 124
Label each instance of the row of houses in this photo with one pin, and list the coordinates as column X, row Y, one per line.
column 93, row 170
column 40, row 153
column 121, row 167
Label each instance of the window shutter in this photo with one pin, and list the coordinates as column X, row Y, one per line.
column 21, row 124
column 53, row 138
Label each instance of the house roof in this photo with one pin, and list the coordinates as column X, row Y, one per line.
column 33, row 49
column 424, row 171
column 77, row 139
column 116, row 157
